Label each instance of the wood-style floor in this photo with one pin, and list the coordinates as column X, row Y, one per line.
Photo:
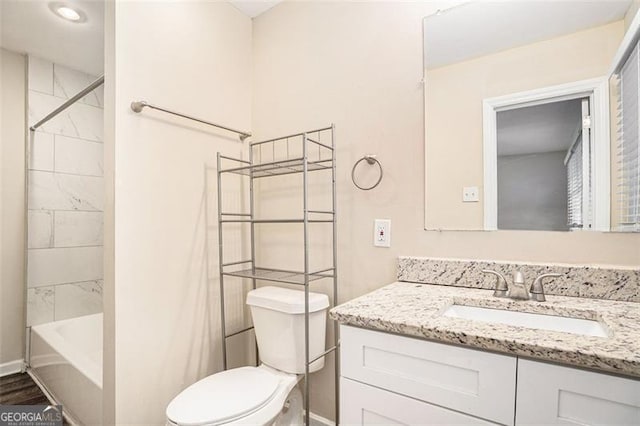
column 20, row 389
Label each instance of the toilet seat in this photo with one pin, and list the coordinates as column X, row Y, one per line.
column 254, row 394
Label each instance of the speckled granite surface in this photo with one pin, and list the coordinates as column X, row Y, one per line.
column 415, row 310
column 576, row 281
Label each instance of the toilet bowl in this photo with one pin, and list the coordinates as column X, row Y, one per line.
column 241, row 396
column 268, row 394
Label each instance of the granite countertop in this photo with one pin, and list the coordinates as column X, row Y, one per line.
column 414, row 310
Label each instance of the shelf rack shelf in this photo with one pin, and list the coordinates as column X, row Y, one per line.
column 301, row 153
column 276, row 221
column 279, row 275
column 278, row 168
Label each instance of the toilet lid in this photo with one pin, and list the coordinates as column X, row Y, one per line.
column 223, row 397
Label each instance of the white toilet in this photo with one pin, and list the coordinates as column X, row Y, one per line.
column 264, row 395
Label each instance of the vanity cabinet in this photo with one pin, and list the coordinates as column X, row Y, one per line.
column 438, row 381
column 392, row 379
column 554, row 395
column 368, row 405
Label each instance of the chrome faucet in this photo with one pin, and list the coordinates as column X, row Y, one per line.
column 516, row 291
column 537, row 289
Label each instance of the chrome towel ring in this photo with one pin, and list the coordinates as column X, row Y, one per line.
column 371, row 159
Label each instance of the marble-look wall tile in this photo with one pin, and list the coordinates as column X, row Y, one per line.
column 78, row 121
column 65, row 195
column 40, row 226
column 68, row 82
column 63, row 265
column 78, row 156
column 41, row 152
column 53, row 191
column 40, row 305
column 77, row 299
column 74, row 229
column 40, row 76
column 576, row 281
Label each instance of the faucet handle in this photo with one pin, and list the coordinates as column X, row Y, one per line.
column 501, row 283
column 537, row 289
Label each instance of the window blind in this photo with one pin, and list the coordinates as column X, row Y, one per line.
column 574, row 187
column 629, row 143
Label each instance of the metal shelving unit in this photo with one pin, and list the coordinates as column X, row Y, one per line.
column 301, row 153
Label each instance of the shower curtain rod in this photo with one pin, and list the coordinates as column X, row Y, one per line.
column 70, row 102
column 138, row 106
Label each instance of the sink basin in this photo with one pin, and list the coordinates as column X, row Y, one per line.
column 584, row 327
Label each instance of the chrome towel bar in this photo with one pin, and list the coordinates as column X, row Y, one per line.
column 138, row 106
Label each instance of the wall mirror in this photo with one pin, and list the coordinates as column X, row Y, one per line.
column 518, row 112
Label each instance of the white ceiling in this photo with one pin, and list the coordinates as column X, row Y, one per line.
column 253, row 8
column 482, row 27
column 31, row 27
column 541, row 128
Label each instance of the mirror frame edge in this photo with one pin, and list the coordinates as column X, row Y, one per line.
column 595, row 88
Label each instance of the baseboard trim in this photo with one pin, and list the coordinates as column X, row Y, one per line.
column 316, row 420
column 12, row 367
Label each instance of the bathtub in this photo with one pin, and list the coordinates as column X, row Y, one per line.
column 66, row 357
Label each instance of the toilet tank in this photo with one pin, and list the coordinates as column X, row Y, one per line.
column 278, row 318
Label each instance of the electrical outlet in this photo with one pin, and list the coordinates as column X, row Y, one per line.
column 382, row 233
column 470, row 194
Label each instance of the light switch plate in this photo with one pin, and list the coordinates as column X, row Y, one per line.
column 382, row 233
column 470, row 194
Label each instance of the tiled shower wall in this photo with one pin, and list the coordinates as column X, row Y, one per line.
column 65, row 200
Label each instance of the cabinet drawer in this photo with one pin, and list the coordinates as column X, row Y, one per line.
column 362, row 404
column 555, row 395
column 475, row 382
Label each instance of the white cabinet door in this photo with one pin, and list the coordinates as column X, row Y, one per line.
column 479, row 383
column 553, row 395
column 362, row 404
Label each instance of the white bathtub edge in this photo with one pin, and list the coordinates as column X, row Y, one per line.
column 85, row 365
column 50, row 397
column 60, row 371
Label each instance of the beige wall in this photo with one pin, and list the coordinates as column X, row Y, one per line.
column 161, row 303
column 454, row 96
column 359, row 65
column 313, row 65
column 12, row 214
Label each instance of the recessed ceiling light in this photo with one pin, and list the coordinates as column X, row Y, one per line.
column 67, row 12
